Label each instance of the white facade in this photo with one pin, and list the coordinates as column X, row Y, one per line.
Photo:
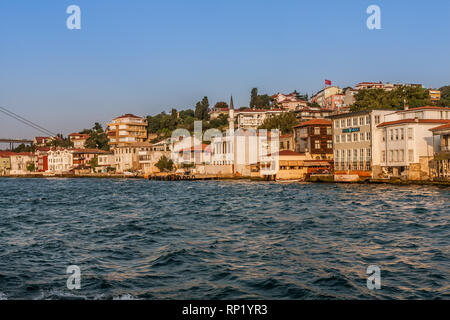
column 253, row 118
column 20, row 162
column 60, row 160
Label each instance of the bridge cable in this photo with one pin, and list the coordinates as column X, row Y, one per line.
column 26, row 122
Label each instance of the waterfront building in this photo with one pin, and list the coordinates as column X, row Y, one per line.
column 20, row 161
column 287, row 142
column 254, row 118
column 321, row 97
column 78, row 140
column 59, row 160
column 352, row 143
column 149, row 157
column 441, row 162
column 105, row 162
column 83, row 157
column 5, row 162
column 126, row 130
column 406, row 143
column 126, row 157
column 314, row 138
column 41, row 157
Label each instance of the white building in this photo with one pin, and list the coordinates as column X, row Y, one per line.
column 20, row 162
column 253, row 118
column 406, row 142
column 60, row 160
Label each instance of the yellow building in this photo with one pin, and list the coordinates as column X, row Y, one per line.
column 435, row 95
column 126, row 129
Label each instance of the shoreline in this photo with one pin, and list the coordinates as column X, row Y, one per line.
column 253, row 179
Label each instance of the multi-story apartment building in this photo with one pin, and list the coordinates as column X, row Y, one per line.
column 335, row 101
column 314, row 138
column 253, row 118
column 321, row 96
column 406, row 142
column 126, row 129
column 353, row 134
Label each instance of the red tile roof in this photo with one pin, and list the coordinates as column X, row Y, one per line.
column 128, row 115
column 314, row 122
column 445, row 126
column 82, row 135
column 259, row 110
column 6, row 153
column 389, row 123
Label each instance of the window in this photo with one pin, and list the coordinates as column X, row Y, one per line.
column 383, row 156
column 349, row 138
column 391, row 134
column 369, row 155
column 368, row 136
column 377, row 119
column 343, row 138
column 410, row 133
column 349, row 122
column 368, row 120
column 329, row 131
column 355, row 155
column 342, row 123
column 402, row 134
column 317, row 131
column 361, row 121
column 355, row 137
column 401, row 155
column 329, row 144
column 396, row 134
column 361, row 154
column 317, row 144
column 411, row 155
column 395, row 155
column 355, row 122
column 336, row 124
column 361, row 136
column 338, row 139
column 391, row 155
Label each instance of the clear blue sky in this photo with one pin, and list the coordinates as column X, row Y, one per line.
column 147, row 56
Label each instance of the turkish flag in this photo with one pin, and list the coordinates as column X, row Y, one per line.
column 328, row 82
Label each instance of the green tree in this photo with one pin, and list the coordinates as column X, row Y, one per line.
column 258, row 101
column 219, row 122
column 60, row 141
column 97, row 138
column 445, row 96
column 31, row 167
column 24, row 148
column 164, row 164
column 201, row 109
column 93, row 163
column 221, row 105
column 284, row 122
column 396, row 99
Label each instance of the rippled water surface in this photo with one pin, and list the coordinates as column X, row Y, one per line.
column 222, row 240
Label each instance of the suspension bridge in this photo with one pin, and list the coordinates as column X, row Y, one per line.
column 31, row 124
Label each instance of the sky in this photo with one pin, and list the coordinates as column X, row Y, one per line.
column 144, row 57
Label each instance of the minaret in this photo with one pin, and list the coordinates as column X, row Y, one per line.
column 231, row 116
